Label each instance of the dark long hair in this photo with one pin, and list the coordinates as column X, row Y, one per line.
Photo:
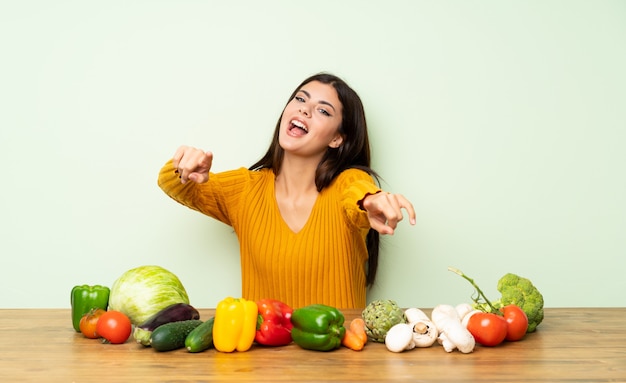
column 354, row 152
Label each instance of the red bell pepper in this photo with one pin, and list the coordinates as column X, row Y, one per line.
column 274, row 323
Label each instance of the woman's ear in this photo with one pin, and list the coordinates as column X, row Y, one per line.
column 336, row 142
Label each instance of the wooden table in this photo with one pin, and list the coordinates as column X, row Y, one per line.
column 582, row 345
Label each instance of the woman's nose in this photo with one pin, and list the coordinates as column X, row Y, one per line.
column 304, row 110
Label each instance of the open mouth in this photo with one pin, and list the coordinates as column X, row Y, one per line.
column 298, row 127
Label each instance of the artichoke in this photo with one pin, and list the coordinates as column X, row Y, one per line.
column 379, row 316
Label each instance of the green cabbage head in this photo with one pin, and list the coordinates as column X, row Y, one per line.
column 143, row 291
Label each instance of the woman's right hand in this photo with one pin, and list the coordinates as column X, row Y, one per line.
column 192, row 164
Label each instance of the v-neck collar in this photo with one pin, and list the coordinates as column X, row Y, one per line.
column 280, row 215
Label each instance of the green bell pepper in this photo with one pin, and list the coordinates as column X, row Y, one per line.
column 317, row 327
column 84, row 298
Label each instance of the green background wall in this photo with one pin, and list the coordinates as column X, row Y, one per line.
column 503, row 121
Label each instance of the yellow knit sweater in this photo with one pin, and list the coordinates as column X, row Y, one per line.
column 322, row 263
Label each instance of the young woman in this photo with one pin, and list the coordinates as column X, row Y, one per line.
column 309, row 213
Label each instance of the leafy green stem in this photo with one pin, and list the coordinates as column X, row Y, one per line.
column 478, row 290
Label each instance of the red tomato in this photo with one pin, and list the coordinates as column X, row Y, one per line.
column 114, row 326
column 88, row 323
column 517, row 322
column 488, row 329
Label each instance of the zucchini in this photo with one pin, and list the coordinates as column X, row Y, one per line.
column 173, row 313
column 201, row 337
column 171, row 336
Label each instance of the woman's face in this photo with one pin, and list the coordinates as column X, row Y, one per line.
column 311, row 120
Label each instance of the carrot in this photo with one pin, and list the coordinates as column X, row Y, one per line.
column 357, row 326
column 355, row 337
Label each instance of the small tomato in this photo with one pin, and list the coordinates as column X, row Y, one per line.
column 516, row 321
column 488, row 329
column 88, row 322
column 114, row 326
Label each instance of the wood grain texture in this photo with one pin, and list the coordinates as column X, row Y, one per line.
column 571, row 345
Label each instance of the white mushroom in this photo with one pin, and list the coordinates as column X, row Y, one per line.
column 463, row 309
column 425, row 332
column 415, row 314
column 400, row 338
column 452, row 334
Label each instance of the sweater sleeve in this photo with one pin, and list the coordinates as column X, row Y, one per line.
column 217, row 198
column 354, row 186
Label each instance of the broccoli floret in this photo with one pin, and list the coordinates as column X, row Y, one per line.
column 521, row 292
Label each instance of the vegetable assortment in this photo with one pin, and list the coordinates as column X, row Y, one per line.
column 169, row 322
column 491, row 324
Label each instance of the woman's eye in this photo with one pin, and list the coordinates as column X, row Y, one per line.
column 298, row 98
column 324, row 112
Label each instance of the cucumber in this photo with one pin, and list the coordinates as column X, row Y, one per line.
column 171, row 336
column 173, row 313
column 201, row 337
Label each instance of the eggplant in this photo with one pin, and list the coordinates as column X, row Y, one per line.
column 173, row 313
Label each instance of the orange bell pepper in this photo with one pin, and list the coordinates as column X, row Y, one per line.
column 234, row 325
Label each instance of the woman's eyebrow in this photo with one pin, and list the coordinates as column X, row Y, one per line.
column 320, row 101
column 327, row 103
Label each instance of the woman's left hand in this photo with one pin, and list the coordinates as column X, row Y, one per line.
column 384, row 211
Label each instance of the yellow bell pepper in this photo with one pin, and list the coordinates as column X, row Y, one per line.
column 234, row 325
